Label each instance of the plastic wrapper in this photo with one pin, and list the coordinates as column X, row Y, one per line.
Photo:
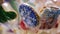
column 30, row 17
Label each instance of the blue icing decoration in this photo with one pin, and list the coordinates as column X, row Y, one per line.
column 50, row 17
column 7, row 0
column 58, row 11
column 28, row 14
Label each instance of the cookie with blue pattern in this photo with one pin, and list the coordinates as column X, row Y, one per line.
column 30, row 16
column 50, row 18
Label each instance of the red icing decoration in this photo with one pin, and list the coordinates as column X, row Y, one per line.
column 22, row 25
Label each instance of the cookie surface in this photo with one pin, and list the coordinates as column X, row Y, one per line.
column 28, row 15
